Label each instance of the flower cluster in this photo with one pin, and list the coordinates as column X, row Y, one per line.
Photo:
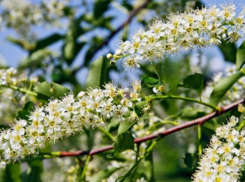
column 20, row 15
column 224, row 158
column 11, row 97
column 64, row 117
column 200, row 28
column 10, row 77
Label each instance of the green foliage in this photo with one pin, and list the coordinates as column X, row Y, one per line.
column 124, row 141
column 33, row 173
column 194, row 82
column 10, row 174
column 98, row 73
column 125, row 126
column 25, row 111
column 229, row 51
column 47, row 41
column 240, row 56
column 100, row 8
column 150, row 81
column 104, row 174
column 47, row 90
column 223, row 86
column 190, row 160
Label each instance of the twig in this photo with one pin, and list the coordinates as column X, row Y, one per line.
column 199, row 121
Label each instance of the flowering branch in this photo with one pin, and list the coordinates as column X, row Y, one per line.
column 182, row 32
column 199, row 121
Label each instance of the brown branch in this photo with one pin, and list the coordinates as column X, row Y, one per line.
column 199, row 121
column 113, row 33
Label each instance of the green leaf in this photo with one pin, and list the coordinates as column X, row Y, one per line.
column 240, row 56
column 229, row 51
column 10, row 174
column 25, row 111
column 34, row 172
column 71, row 46
column 194, row 82
column 47, row 90
column 104, row 174
column 124, row 141
column 188, row 160
column 191, row 113
column 222, row 87
column 100, row 7
column 125, row 126
column 21, row 43
column 150, row 81
column 42, row 43
column 160, row 71
column 98, row 72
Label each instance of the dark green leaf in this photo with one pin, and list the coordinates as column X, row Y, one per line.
column 104, row 174
column 10, row 174
column 194, row 82
column 150, row 81
column 34, row 172
column 98, row 73
column 229, row 51
column 124, row 141
column 188, row 160
column 222, row 87
column 240, row 56
column 71, row 46
column 100, row 7
column 125, row 126
column 50, row 90
column 25, row 111
column 40, row 44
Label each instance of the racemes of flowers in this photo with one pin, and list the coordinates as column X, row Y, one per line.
column 67, row 116
column 224, row 158
column 189, row 30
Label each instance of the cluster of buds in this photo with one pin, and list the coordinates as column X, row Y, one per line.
column 189, row 30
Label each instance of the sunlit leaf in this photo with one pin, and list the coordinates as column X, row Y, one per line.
column 240, row 56
column 223, row 86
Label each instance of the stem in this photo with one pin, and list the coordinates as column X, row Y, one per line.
column 107, row 133
column 199, row 137
column 152, row 97
column 22, row 90
column 85, row 167
column 148, row 150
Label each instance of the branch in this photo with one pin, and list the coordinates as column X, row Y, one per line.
column 113, row 33
column 199, row 121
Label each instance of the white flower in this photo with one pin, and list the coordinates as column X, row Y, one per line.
column 224, row 158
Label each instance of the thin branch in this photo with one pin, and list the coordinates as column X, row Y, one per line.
column 199, row 121
column 113, row 33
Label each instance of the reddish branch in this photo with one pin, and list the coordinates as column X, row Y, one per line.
column 199, row 121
